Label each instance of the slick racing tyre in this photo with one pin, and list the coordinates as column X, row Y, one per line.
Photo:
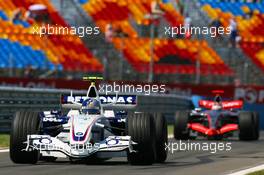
column 248, row 122
column 256, row 122
column 141, row 128
column 24, row 123
column 161, row 137
column 181, row 131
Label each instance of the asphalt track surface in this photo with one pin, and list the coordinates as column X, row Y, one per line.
column 242, row 155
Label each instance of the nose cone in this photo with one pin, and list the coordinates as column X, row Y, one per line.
column 92, row 92
column 211, row 132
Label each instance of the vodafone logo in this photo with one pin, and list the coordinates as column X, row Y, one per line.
column 250, row 95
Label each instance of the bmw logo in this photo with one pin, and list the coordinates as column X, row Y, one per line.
column 79, row 134
column 45, row 140
column 112, row 142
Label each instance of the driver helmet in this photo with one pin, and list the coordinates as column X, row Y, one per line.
column 217, row 103
column 91, row 106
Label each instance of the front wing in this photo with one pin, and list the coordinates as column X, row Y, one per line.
column 46, row 143
column 210, row 129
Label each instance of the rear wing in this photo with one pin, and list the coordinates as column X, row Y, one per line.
column 120, row 102
column 236, row 104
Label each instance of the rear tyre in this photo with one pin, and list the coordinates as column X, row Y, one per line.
column 247, row 126
column 24, row 123
column 181, row 131
column 161, row 137
column 141, row 128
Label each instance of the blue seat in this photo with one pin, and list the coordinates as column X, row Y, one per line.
column 15, row 55
column 83, row 1
column 234, row 7
column 20, row 22
column 3, row 15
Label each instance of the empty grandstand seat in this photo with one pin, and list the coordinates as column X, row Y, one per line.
column 14, row 55
column 250, row 29
column 184, row 53
column 3, row 15
column 172, row 56
column 29, row 49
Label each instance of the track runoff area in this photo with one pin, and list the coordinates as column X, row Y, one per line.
column 242, row 158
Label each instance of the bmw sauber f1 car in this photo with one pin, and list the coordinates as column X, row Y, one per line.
column 89, row 131
column 216, row 120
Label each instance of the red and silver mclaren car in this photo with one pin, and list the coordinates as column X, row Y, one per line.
column 217, row 119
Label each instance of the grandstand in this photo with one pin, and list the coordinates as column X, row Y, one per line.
column 129, row 53
column 65, row 53
column 250, row 21
column 166, row 51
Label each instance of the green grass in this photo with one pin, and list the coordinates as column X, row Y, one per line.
column 257, row 173
column 4, row 140
column 170, row 129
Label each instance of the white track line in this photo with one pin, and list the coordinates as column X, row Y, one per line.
column 249, row 170
column 4, row 150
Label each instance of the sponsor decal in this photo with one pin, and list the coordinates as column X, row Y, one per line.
column 52, row 119
column 122, row 99
column 79, row 134
column 112, row 142
column 105, row 99
column 45, row 141
column 250, row 94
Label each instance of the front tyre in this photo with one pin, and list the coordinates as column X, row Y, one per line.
column 24, row 123
column 248, row 122
column 141, row 128
column 161, row 137
column 256, row 123
column 181, row 131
